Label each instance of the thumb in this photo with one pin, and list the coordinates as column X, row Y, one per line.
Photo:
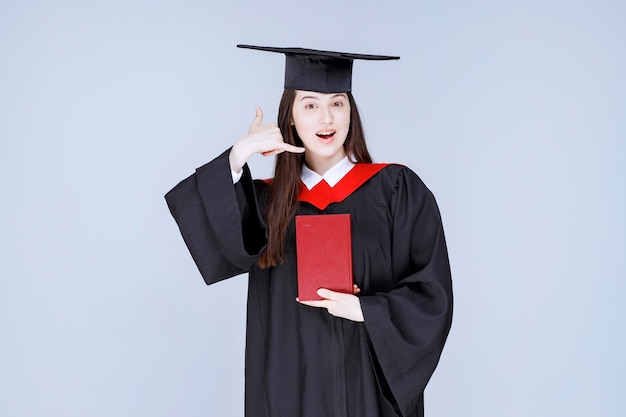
column 258, row 118
column 326, row 293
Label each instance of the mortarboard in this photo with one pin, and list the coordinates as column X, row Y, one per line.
column 320, row 71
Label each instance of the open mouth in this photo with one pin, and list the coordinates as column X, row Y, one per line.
column 327, row 134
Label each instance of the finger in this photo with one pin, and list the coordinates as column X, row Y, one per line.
column 355, row 289
column 315, row 303
column 258, row 118
column 284, row 147
column 272, row 152
column 294, row 149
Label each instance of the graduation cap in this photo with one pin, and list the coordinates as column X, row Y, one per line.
column 319, row 71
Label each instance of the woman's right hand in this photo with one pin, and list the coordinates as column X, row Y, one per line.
column 264, row 139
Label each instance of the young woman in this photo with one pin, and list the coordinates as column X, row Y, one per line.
column 365, row 354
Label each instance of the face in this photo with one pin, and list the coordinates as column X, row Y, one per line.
column 322, row 122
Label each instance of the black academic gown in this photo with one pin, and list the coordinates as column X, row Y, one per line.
column 300, row 360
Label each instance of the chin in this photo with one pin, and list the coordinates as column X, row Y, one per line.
column 327, row 152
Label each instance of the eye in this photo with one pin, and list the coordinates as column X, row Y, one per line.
column 309, row 106
column 338, row 103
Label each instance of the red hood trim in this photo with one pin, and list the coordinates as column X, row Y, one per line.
column 322, row 194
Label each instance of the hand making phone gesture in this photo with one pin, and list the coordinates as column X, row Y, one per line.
column 265, row 139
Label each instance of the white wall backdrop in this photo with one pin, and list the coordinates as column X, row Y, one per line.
column 513, row 112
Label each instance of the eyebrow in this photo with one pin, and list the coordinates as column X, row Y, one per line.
column 317, row 98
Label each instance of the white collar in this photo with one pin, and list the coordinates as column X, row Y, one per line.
column 311, row 178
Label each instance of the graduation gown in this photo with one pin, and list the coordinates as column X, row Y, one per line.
column 300, row 360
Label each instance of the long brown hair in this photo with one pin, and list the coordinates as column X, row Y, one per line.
column 282, row 203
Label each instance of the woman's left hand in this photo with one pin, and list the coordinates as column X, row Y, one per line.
column 338, row 304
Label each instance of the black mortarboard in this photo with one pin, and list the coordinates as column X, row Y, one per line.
column 320, row 71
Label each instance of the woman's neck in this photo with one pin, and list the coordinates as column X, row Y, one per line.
column 322, row 164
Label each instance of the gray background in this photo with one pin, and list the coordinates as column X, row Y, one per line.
column 511, row 111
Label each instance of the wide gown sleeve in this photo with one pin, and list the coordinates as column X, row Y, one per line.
column 409, row 324
column 220, row 222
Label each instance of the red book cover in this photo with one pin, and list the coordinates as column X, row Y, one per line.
column 324, row 254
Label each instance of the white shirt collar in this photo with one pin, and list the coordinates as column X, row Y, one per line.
column 311, row 178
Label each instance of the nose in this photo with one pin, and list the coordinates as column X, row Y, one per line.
column 326, row 115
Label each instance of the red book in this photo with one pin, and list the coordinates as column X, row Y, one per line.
column 324, row 254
